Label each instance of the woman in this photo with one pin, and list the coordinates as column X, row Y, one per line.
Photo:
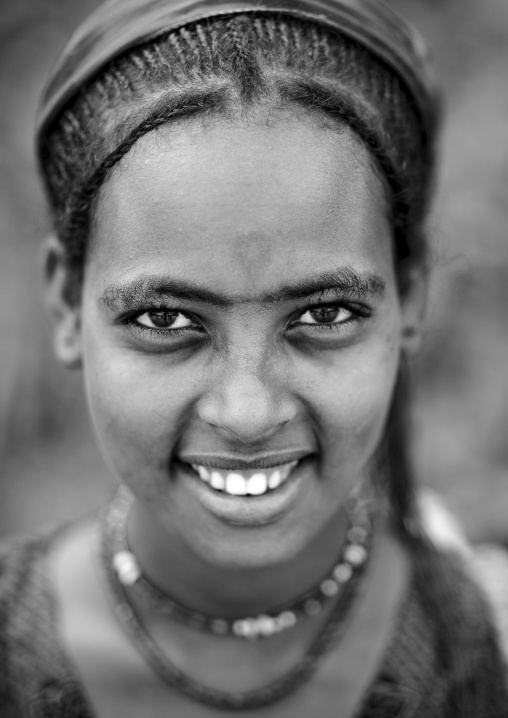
column 239, row 191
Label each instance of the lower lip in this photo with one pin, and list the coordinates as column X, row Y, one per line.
column 247, row 510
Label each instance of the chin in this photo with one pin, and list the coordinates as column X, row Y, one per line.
column 263, row 547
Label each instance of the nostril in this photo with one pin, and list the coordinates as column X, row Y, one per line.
column 246, row 432
column 247, row 410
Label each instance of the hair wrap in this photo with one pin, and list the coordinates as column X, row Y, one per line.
column 135, row 65
column 119, row 25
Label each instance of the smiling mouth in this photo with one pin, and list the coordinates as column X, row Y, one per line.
column 253, row 482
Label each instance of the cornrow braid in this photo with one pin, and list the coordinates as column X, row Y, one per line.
column 244, row 62
column 78, row 208
column 217, row 65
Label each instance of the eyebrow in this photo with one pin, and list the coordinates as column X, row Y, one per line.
column 147, row 288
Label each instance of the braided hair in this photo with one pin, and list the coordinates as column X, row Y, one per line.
column 215, row 66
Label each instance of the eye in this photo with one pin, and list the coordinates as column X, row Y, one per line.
column 326, row 315
column 164, row 320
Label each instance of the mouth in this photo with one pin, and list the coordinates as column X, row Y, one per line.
column 253, row 482
column 247, row 492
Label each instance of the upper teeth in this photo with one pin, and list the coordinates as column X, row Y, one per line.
column 245, row 483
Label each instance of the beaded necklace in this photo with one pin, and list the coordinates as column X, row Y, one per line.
column 121, row 570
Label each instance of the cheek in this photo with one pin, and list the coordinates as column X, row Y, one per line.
column 352, row 398
column 137, row 411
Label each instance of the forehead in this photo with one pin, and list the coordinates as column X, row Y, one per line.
column 243, row 203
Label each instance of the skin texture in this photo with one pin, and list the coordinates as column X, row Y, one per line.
column 240, row 208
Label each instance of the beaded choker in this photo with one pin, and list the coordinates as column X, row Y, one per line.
column 345, row 576
column 129, row 574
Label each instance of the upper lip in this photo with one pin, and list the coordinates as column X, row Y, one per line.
column 236, row 463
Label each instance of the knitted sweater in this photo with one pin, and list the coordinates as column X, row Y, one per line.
column 442, row 661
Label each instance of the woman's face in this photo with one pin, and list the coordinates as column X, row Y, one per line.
column 240, row 330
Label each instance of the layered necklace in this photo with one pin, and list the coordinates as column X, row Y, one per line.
column 123, row 573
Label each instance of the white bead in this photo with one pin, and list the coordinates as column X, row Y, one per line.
column 355, row 554
column 342, row 573
column 245, row 627
column 329, row 587
column 240, row 628
column 251, row 628
column 357, row 534
column 287, row 619
column 265, row 625
column 127, row 567
column 278, row 623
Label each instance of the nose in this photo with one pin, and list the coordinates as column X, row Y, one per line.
column 246, row 403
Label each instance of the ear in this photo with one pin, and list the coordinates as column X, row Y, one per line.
column 414, row 302
column 63, row 311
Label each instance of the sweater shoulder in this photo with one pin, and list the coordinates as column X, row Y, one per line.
column 489, row 564
column 443, row 659
column 36, row 677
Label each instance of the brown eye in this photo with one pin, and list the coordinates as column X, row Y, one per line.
column 326, row 315
column 164, row 320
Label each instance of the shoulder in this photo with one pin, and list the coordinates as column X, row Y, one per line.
column 445, row 649
column 485, row 566
column 443, row 660
column 35, row 676
column 18, row 557
column 489, row 564
column 17, row 560
column 20, row 562
column 453, row 595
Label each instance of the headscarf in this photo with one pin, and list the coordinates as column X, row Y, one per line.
column 83, row 131
column 118, row 25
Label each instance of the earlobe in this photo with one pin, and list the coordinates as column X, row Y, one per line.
column 65, row 314
column 414, row 304
column 411, row 340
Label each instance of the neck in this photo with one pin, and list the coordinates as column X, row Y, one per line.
column 229, row 591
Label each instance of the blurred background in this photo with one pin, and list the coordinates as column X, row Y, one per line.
column 49, row 466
